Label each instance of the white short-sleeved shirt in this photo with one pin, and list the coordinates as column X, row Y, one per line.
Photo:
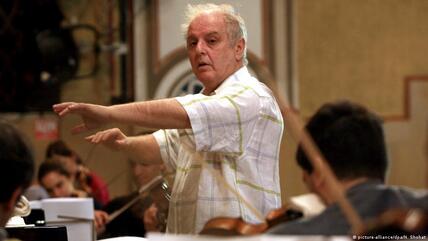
column 237, row 131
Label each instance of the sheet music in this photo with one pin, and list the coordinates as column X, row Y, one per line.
column 76, row 214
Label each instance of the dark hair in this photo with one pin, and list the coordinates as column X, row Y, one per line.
column 50, row 166
column 16, row 160
column 60, row 148
column 351, row 139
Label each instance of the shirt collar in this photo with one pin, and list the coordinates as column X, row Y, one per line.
column 358, row 187
column 241, row 73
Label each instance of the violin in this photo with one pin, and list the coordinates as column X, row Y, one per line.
column 227, row 226
column 158, row 189
column 304, row 205
column 161, row 196
column 84, row 180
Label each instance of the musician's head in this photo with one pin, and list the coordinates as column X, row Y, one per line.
column 55, row 179
column 17, row 165
column 143, row 173
column 59, row 151
column 351, row 139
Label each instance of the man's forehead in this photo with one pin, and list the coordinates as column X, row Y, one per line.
column 205, row 34
column 207, row 21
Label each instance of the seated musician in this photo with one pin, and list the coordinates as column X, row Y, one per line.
column 17, row 167
column 352, row 141
column 58, row 183
column 132, row 222
column 82, row 177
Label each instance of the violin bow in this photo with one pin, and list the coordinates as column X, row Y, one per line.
column 142, row 192
column 315, row 156
column 88, row 157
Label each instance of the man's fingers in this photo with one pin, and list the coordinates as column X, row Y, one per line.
column 59, row 107
column 63, row 108
column 89, row 138
column 98, row 137
column 121, row 142
column 112, row 138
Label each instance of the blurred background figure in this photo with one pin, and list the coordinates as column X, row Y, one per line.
column 17, row 165
column 58, row 183
column 80, row 175
column 132, row 222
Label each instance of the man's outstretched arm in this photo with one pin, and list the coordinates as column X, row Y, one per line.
column 158, row 114
column 144, row 148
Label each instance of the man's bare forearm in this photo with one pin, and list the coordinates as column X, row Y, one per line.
column 159, row 114
column 143, row 149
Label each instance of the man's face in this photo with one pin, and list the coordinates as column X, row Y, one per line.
column 315, row 184
column 144, row 173
column 306, row 177
column 57, row 185
column 211, row 54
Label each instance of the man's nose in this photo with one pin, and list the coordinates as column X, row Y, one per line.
column 201, row 47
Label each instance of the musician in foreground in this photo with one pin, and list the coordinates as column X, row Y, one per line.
column 352, row 141
column 54, row 177
column 233, row 126
column 17, row 166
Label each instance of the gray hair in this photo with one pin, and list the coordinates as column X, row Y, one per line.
column 235, row 25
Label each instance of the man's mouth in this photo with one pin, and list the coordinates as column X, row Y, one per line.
column 202, row 65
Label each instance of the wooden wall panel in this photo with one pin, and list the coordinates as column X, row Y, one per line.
column 360, row 50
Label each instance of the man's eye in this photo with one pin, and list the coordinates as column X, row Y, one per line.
column 191, row 43
column 212, row 41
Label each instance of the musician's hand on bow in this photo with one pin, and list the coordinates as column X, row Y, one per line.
column 93, row 116
column 151, row 221
column 112, row 138
column 100, row 218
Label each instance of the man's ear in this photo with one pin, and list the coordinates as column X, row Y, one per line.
column 239, row 49
column 318, row 180
column 16, row 195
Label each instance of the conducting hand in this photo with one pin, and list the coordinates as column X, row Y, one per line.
column 112, row 138
column 93, row 116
